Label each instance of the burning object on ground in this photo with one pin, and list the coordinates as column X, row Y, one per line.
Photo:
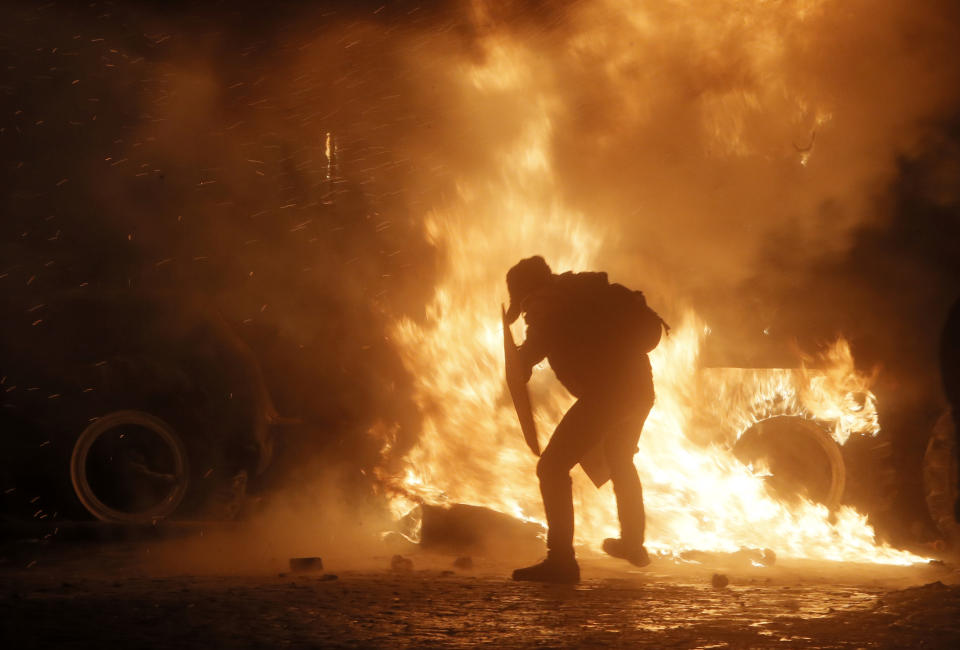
column 789, row 424
column 798, row 458
column 460, row 528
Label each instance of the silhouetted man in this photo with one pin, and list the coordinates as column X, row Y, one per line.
column 595, row 336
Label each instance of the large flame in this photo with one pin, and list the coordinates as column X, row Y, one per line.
column 698, row 496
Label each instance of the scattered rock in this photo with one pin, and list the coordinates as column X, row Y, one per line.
column 400, row 563
column 446, row 572
column 306, row 564
column 326, row 577
column 791, row 605
column 463, row 562
column 719, row 581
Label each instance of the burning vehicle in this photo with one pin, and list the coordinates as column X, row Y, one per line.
column 130, row 408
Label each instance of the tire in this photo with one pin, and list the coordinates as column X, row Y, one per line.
column 779, row 433
column 178, row 477
column 940, row 479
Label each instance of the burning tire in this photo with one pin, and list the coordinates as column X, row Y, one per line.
column 803, row 459
column 129, row 467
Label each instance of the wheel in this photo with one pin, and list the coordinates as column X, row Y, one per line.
column 940, row 478
column 803, row 459
column 129, row 467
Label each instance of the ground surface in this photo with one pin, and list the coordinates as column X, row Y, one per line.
column 90, row 594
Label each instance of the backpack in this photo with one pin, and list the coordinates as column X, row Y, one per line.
column 635, row 318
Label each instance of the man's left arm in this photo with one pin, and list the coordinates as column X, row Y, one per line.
column 533, row 350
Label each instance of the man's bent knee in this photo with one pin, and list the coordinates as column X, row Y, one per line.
column 549, row 471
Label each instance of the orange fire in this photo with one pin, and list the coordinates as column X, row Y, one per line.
column 698, row 497
column 470, row 450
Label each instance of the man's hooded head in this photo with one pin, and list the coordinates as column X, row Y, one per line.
column 525, row 277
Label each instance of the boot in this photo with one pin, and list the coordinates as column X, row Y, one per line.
column 635, row 554
column 557, row 568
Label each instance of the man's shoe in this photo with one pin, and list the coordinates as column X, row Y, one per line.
column 635, row 554
column 556, row 569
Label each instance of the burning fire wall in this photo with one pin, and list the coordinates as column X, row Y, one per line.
column 708, row 484
column 700, row 492
column 704, row 487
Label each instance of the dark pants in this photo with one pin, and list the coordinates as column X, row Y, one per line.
column 616, row 424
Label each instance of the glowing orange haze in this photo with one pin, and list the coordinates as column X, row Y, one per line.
column 471, row 450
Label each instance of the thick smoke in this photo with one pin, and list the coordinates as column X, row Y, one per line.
column 187, row 156
column 717, row 143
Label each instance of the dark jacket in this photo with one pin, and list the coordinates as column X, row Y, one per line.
column 577, row 323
